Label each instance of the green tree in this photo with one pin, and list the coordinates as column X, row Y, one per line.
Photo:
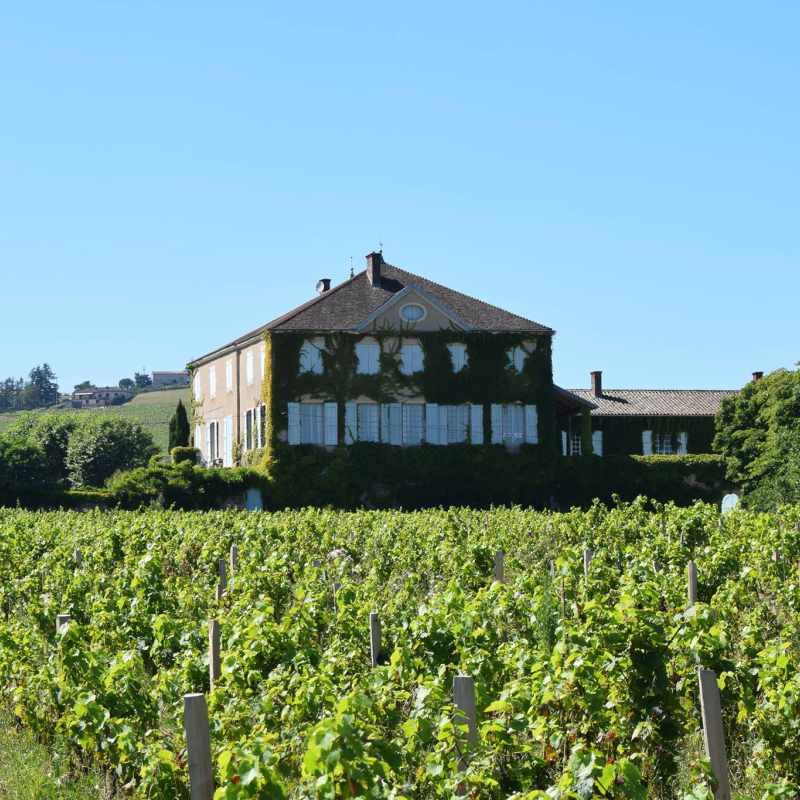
column 179, row 427
column 126, row 383
column 79, row 387
column 758, row 431
column 100, row 446
column 22, row 465
column 142, row 379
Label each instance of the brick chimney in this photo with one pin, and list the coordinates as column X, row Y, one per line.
column 757, row 376
column 597, row 383
column 374, row 261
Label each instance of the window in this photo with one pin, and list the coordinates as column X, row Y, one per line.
column 458, row 419
column 248, row 437
column 597, row 442
column 575, row 444
column 249, row 366
column 368, row 416
column 311, row 358
column 413, row 423
column 515, row 424
column 311, row 423
column 229, row 375
column 212, row 381
column 412, row 312
column 665, row 444
column 458, row 355
column 411, row 359
column 517, row 356
column 212, row 441
column 368, row 359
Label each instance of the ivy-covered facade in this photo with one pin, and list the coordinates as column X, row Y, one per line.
column 387, row 361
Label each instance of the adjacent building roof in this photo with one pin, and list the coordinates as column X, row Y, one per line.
column 344, row 306
column 655, row 402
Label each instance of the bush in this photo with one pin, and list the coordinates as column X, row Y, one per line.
column 181, row 454
column 182, row 486
column 158, row 458
column 50, row 433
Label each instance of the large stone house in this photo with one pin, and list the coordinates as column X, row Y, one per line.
column 391, row 357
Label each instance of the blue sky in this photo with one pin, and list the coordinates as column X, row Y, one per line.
column 175, row 174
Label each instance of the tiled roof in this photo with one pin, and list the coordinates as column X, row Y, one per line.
column 346, row 305
column 655, row 402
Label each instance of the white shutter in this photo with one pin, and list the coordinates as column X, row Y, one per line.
column 229, row 442
column 207, row 453
column 229, row 375
column 563, row 443
column 395, row 423
column 647, row 443
column 597, row 442
column 244, row 432
column 212, row 381
column 257, row 412
column 263, row 357
column 432, row 423
column 497, row 424
column 683, row 444
column 476, row 424
column 198, row 436
column 224, row 441
column 249, row 366
column 331, row 424
column 531, row 425
column 294, row 423
column 405, row 360
column 197, row 387
column 350, row 423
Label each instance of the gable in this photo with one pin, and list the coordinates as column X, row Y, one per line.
column 391, row 315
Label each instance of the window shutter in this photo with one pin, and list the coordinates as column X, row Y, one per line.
column 224, row 441
column 197, row 387
column 316, row 353
column 229, row 446
column 597, row 442
column 476, row 424
column 263, row 357
column 294, row 423
column 395, row 423
column 647, row 443
column 331, row 424
column 350, row 423
column 443, row 411
column 683, row 444
column 563, row 443
column 419, row 361
column 432, row 423
column 374, row 359
column 207, row 453
column 531, row 425
column 198, row 436
column 497, row 424
column 405, row 360
column 385, row 435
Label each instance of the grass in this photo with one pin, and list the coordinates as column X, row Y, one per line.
column 31, row 771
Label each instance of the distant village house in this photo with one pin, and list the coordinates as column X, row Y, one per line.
column 97, row 397
column 166, row 378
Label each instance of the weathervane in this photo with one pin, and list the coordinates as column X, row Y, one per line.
column 351, row 266
column 380, row 246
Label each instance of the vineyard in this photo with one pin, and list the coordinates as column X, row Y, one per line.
column 575, row 630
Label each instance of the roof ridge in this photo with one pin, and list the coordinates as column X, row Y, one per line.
column 605, row 391
column 467, row 296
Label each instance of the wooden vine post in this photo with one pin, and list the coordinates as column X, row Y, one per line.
column 214, row 664
column 691, row 580
column 374, row 638
column 498, row 566
column 61, row 621
column 552, row 570
column 713, row 732
column 587, row 560
column 464, row 702
column 336, row 587
column 222, row 586
column 234, row 558
column 78, row 556
column 198, row 745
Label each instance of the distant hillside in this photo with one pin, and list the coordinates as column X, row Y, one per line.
column 153, row 409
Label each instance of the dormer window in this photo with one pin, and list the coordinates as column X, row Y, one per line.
column 412, row 312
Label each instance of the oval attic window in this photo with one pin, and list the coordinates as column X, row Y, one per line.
column 412, row 312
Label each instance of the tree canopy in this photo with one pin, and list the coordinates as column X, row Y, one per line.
column 758, row 431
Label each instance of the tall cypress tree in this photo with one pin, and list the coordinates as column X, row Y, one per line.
column 179, row 428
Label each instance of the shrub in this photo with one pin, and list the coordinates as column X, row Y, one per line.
column 179, row 428
column 181, row 454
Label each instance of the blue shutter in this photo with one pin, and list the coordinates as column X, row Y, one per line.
column 531, row 425
column 395, row 423
column 683, row 443
column 294, row 423
column 331, row 424
column 418, row 361
column 350, row 423
column 563, row 443
column 476, row 424
column 207, row 453
column 385, row 435
column 497, row 424
column 432, row 423
column 647, row 443
column 597, row 442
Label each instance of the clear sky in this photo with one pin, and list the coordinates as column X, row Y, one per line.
column 175, row 174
